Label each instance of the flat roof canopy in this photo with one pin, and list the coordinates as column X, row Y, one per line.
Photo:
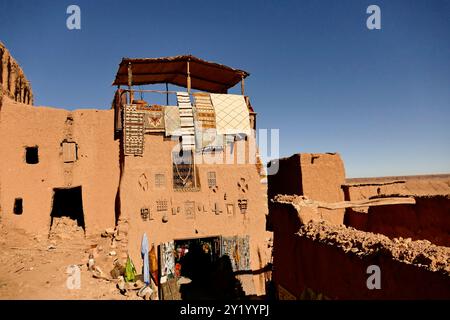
column 205, row 75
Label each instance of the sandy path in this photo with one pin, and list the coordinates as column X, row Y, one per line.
column 29, row 270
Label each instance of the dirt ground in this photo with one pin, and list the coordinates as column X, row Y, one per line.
column 35, row 267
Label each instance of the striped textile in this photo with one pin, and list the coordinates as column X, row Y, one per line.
column 204, row 111
column 206, row 138
column 172, row 120
column 232, row 115
column 186, row 120
column 133, row 131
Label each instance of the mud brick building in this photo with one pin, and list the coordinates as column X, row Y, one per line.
column 185, row 173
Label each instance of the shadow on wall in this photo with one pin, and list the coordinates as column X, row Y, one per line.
column 210, row 280
column 117, row 200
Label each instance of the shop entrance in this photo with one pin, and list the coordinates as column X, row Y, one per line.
column 195, row 269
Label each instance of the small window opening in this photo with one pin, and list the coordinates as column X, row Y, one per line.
column 18, row 206
column 31, row 155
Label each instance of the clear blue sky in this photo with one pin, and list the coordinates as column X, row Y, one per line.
column 381, row 98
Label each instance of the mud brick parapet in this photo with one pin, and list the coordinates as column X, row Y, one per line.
column 332, row 262
column 318, row 176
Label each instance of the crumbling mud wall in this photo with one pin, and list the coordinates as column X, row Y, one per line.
column 316, row 257
column 425, row 185
column 13, row 83
column 331, row 261
column 95, row 167
column 368, row 190
column 316, row 176
column 233, row 183
column 427, row 219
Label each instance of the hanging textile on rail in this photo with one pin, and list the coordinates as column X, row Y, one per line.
column 206, row 137
column 172, row 121
column 232, row 115
column 133, row 131
column 153, row 118
column 186, row 121
column 204, row 111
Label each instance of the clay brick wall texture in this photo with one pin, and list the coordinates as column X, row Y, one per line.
column 316, row 176
column 314, row 260
column 234, row 183
column 96, row 169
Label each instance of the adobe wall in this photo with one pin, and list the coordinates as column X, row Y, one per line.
column 288, row 171
column 158, row 159
column 328, row 260
column 13, row 83
column 96, row 169
column 332, row 261
column 317, row 176
column 425, row 185
column 354, row 193
column 322, row 174
column 428, row 219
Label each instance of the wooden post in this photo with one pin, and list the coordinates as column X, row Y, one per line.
column 188, row 78
column 130, row 82
column 167, row 94
column 242, row 85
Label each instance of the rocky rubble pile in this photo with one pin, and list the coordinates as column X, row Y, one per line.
column 110, row 253
column 65, row 228
column 421, row 253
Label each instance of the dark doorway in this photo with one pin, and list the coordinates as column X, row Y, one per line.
column 31, row 155
column 68, row 202
column 210, row 274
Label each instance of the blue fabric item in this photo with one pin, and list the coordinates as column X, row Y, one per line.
column 144, row 253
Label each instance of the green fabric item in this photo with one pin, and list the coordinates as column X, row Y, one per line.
column 130, row 271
